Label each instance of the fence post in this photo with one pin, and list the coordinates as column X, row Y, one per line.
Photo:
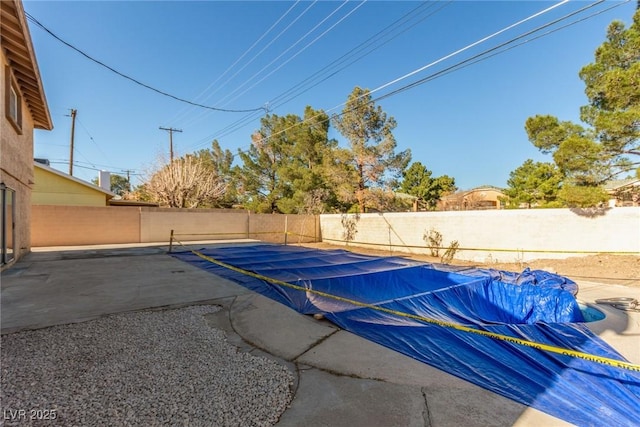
column 171, row 242
column 286, row 229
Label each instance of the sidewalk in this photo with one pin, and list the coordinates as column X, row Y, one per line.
column 342, row 379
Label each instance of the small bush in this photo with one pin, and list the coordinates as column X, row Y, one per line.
column 349, row 226
column 448, row 255
column 433, row 238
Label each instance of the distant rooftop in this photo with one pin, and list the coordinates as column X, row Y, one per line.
column 618, row 183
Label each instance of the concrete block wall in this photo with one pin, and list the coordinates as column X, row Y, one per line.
column 83, row 225
column 303, row 228
column 501, row 236
column 192, row 224
column 272, row 227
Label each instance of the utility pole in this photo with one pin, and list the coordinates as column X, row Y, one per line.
column 73, row 131
column 128, row 171
column 171, row 131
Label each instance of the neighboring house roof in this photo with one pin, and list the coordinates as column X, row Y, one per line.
column 86, row 184
column 18, row 49
column 486, row 187
column 463, row 193
column 621, row 183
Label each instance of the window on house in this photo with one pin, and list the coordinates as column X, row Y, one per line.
column 13, row 102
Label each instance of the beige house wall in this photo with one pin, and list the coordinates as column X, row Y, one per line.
column 497, row 235
column 16, row 165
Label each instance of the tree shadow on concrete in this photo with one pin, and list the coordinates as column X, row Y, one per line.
column 592, row 212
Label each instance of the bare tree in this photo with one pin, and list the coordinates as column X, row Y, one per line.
column 184, row 183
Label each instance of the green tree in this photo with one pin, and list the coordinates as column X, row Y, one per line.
column 293, row 167
column 418, row 182
column 372, row 145
column 220, row 163
column 583, row 196
column 310, row 166
column 259, row 177
column 534, row 184
column 118, row 184
column 590, row 155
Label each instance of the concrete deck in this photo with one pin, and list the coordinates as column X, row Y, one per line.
column 342, row 379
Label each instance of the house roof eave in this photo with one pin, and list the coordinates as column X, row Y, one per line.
column 18, row 49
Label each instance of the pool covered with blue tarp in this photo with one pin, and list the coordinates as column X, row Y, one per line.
column 534, row 306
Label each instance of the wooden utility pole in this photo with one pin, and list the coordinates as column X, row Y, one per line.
column 171, row 131
column 73, row 131
column 128, row 171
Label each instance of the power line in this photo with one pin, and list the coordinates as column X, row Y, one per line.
column 445, row 57
column 95, row 166
column 81, row 166
column 245, row 120
column 226, row 82
column 474, row 59
column 398, row 24
column 291, row 47
column 470, row 61
column 299, row 87
column 236, row 62
column 483, row 55
column 195, row 104
column 255, row 75
column 92, row 140
column 469, row 46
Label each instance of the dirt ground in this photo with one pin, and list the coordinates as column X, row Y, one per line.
column 602, row 268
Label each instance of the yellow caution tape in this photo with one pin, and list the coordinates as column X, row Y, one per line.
column 540, row 346
column 522, row 250
column 386, row 245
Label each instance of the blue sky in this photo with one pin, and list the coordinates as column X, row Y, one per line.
column 468, row 124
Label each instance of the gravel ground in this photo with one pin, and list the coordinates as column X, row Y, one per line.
column 147, row 368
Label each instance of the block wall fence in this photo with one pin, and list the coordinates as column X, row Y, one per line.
column 483, row 236
column 84, row 225
column 496, row 235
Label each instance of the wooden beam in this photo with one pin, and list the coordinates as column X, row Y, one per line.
column 19, row 66
column 16, row 52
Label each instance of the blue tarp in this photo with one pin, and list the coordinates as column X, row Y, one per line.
column 534, row 305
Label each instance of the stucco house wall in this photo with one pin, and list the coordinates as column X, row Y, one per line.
column 16, row 171
column 19, row 74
